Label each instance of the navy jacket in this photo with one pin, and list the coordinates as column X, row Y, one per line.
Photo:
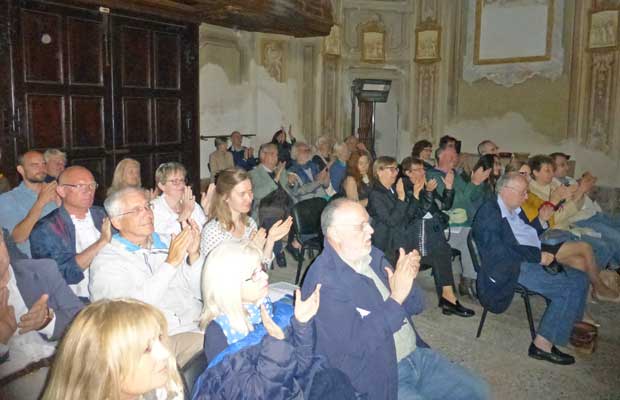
column 242, row 162
column 501, row 256
column 361, row 347
column 53, row 237
column 299, row 170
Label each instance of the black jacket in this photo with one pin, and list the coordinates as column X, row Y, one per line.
column 389, row 217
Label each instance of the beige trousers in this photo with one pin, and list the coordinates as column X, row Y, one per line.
column 185, row 345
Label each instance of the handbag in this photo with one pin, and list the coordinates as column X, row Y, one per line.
column 275, row 206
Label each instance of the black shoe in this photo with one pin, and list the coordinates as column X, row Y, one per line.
column 555, row 356
column 281, row 259
column 467, row 287
column 294, row 252
column 457, row 309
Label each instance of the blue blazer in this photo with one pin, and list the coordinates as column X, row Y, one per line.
column 361, row 347
column 501, row 256
column 53, row 237
column 299, row 170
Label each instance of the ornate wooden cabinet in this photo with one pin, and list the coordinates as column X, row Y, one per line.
column 101, row 85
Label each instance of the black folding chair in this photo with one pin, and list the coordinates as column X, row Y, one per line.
column 520, row 289
column 191, row 371
column 307, row 227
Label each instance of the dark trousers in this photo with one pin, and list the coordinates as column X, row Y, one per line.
column 439, row 259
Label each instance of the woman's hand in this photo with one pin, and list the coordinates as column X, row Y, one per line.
column 400, row 189
column 271, row 327
column 206, row 198
column 306, row 310
column 187, row 204
column 280, row 229
column 431, row 185
column 448, row 180
column 259, row 238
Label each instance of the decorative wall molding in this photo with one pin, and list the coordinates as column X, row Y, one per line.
column 396, row 30
column 330, row 97
column 426, row 101
column 603, row 80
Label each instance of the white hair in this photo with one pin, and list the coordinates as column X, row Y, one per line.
column 114, row 203
column 49, row 153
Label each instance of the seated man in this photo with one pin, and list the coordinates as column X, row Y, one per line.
column 243, row 156
column 36, row 305
column 487, row 147
column 363, row 325
column 75, row 232
column 305, row 181
column 590, row 215
column 55, row 163
column 338, row 169
column 138, row 263
column 33, row 199
column 511, row 252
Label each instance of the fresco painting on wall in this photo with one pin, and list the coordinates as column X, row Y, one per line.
column 603, row 32
column 373, row 46
column 274, row 59
column 427, row 44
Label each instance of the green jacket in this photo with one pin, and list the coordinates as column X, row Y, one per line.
column 466, row 195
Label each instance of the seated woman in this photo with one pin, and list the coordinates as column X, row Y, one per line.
column 519, row 166
column 176, row 203
column 425, row 227
column 552, row 204
column 488, row 162
column 115, row 349
column 229, row 219
column 284, row 147
column 256, row 349
column 356, row 186
column 423, row 149
column 221, row 158
column 126, row 174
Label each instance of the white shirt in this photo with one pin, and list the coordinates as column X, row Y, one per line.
column 167, row 220
column 30, row 346
column 122, row 269
column 85, row 235
column 214, row 234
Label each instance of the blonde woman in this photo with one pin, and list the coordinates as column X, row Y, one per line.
column 229, row 219
column 257, row 349
column 115, row 350
column 126, row 174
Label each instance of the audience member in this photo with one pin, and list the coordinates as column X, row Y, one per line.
column 243, row 157
column 424, row 231
column 35, row 308
column 423, row 149
column 284, row 147
column 522, row 167
column 55, row 163
column 488, row 162
column 176, row 204
column 115, row 350
column 590, row 215
column 363, row 325
column 305, row 181
column 323, row 155
column 447, row 141
column 358, row 182
column 256, row 349
column 137, row 263
column 487, row 147
column 126, row 174
column 229, row 219
column 338, row 169
column 221, row 158
column 33, row 199
column 511, row 252
column 74, row 233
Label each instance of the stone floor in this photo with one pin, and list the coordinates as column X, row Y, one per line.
column 500, row 354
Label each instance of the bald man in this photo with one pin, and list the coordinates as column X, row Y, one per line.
column 23, row 206
column 73, row 234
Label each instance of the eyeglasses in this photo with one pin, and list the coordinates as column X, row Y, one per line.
column 416, row 169
column 522, row 193
column 393, row 169
column 147, row 208
column 82, row 187
column 177, row 182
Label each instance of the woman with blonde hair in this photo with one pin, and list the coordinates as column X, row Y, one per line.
column 126, row 174
column 229, row 219
column 115, row 350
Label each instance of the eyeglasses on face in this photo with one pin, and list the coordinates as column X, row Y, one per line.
column 136, row 210
column 522, row 193
column 82, row 187
column 391, row 168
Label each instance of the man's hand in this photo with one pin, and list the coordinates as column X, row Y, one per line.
column 280, row 229
column 305, row 310
column 448, row 180
column 323, row 177
column 47, row 193
column 400, row 189
column 271, row 327
column 207, row 197
column 292, row 179
column 431, row 185
column 106, row 231
column 37, row 317
column 546, row 258
column 401, row 280
column 178, row 247
column 545, row 213
column 480, row 175
column 8, row 324
column 278, row 171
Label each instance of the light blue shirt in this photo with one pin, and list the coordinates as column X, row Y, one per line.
column 525, row 234
column 15, row 205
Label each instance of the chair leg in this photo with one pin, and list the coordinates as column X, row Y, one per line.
column 528, row 311
column 484, row 316
column 302, row 253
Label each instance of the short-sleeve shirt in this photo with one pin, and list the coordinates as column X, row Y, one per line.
column 213, row 234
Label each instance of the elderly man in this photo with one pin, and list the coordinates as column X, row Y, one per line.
column 338, row 169
column 55, row 162
column 305, row 181
column 33, row 199
column 35, row 306
column 487, row 147
column 75, row 232
column 511, row 252
column 364, row 326
column 242, row 156
column 140, row 264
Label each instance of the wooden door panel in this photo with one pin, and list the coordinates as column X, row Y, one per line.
column 98, row 167
column 46, row 125
column 85, row 42
column 42, row 38
column 167, row 60
column 147, row 169
column 135, row 57
column 168, row 120
column 136, row 121
column 87, row 122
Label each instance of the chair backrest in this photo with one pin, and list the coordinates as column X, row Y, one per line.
column 307, row 216
column 473, row 251
column 192, row 370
